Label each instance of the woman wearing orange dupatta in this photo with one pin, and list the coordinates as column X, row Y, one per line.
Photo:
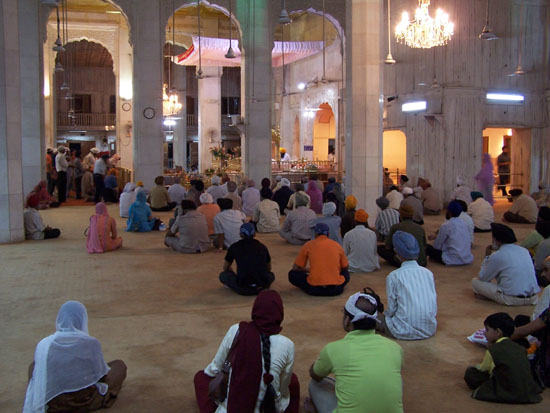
column 102, row 235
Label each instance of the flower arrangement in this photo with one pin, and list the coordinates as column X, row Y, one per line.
column 237, row 152
column 219, row 152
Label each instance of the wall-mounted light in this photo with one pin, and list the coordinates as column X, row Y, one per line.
column 505, row 98
column 417, row 106
column 169, row 122
column 301, row 86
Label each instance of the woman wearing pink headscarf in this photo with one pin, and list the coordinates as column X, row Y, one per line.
column 485, row 179
column 102, row 235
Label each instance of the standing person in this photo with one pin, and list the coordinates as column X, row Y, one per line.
column 102, row 234
column 192, row 229
column 348, row 219
column 100, row 170
column 360, row 245
column 285, row 157
column 485, row 179
column 78, row 174
column 88, row 190
column 328, row 266
column 511, row 266
column 261, row 367
column 61, row 165
column 253, row 264
column 366, row 366
column 69, row 372
column 504, row 375
column 282, row 195
column 34, row 226
column 295, row 228
column 503, row 167
column 89, row 160
column 453, row 243
column 387, row 217
column 266, row 214
column 481, row 212
column 51, row 173
column 412, row 300
column 227, row 224
column 251, row 197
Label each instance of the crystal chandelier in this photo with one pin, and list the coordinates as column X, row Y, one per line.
column 424, row 31
column 170, row 103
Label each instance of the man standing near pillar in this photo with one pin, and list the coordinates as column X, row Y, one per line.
column 61, row 165
column 100, row 169
column 503, row 163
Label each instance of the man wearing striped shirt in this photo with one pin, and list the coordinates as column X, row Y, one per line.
column 385, row 219
column 412, row 300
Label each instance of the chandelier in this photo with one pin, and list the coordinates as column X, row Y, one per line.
column 424, row 31
column 170, row 103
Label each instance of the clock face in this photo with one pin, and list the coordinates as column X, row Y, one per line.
column 126, row 106
column 149, row 113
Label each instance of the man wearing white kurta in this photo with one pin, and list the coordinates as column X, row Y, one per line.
column 412, row 300
column 360, row 245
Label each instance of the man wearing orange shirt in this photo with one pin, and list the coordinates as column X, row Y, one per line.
column 328, row 273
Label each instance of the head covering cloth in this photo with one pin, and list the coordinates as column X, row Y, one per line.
column 329, row 209
column 300, row 200
column 405, row 245
column 407, row 191
column 246, row 373
column 475, row 195
column 503, row 233
column 454, row 208
column 206, row 198
column 129, row 187
column 247, row 230
column 357, row 313
column 406, row 211
column 285, row 182
column 66, row 361
column 99, row 223
column 351, row 202
column 383, row 202
column 322, row 229
column 361, row 216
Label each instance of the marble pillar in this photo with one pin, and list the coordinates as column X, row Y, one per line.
column 31, row 61
column 364, row 102
column 125, row 101
column 256, row 45
column 147, row 39
column 11, row 171
column 210, row 117
column 180, row 128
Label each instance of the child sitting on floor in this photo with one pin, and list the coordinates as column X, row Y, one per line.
column 504, row 375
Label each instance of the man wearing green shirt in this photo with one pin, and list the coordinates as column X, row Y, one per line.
column 366, row 366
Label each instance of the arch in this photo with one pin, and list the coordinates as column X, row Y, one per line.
column 394, row 152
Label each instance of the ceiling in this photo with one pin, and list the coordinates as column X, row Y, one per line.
column 86, row 54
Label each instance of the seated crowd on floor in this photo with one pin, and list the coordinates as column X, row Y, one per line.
column 334, row 242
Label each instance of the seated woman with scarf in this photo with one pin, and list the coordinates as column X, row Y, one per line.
column 261, row 364
column 140, row 217
column 102, row 235
column 69, row 372
column 45, row 200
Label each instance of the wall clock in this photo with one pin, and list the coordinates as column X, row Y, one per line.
column 149, row 113
column 126, row 106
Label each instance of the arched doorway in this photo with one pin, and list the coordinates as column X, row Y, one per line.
column 395, row 153
column 324, row 133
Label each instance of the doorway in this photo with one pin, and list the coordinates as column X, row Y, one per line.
column 518, row 141
column 324, row 132
column 394, row 155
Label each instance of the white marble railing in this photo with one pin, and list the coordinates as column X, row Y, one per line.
column 86, row 119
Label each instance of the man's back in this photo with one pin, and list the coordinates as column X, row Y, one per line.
column 326, row 260
column 367, row 368
column 193, row 231
column 228, row 222
column 360, row 248
column 416, row 204
column 252, row 258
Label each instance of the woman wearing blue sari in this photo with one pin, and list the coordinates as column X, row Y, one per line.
column 140, row 217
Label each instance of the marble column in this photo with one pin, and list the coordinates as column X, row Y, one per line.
column 125, row 101
column 147, row 39
column 180, row 128
column 32, row 86
column 256, row 45
column 364, row 102
column 11, row 171
column 210, row 117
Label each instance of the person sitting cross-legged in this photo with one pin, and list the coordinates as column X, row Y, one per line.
column 360, row 245
column 332, row 221
column 328, row 273
column 159, row 197
column 227, row 224
column 504, row 375
column 481, row 211
column 192, row 228
column 411, row 199
column 253, row 264
column 524, row 210
column 266, row 215
column 387, row 217
column 34, row 226
column 412, row 300
column 295, row 228
column 453, row 243
column 348, row 219
column 366, row 366
column 512, row 268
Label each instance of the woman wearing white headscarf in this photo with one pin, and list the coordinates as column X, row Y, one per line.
column 69, row 373
column 127, row 198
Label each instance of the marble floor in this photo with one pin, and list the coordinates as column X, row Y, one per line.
column 165, row 313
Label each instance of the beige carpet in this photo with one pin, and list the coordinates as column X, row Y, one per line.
column 165, row 314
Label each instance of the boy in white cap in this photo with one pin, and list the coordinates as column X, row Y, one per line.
column 366, row 366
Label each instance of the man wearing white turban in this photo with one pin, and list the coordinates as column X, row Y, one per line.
column 461, row 192
column 328, row 218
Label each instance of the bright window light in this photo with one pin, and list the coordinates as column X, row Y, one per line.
column 505, row 97
column 169, row 122
column 301, row 86
column 414, row 106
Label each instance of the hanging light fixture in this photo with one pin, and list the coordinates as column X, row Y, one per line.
column 58, row 46
column 519, row 70
column 58, row 67
column 230, row 53
column 199, row 72
column 170, row 100
column 389, row 58
column 487, row 32
column 284, row 18
column 424, row 32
